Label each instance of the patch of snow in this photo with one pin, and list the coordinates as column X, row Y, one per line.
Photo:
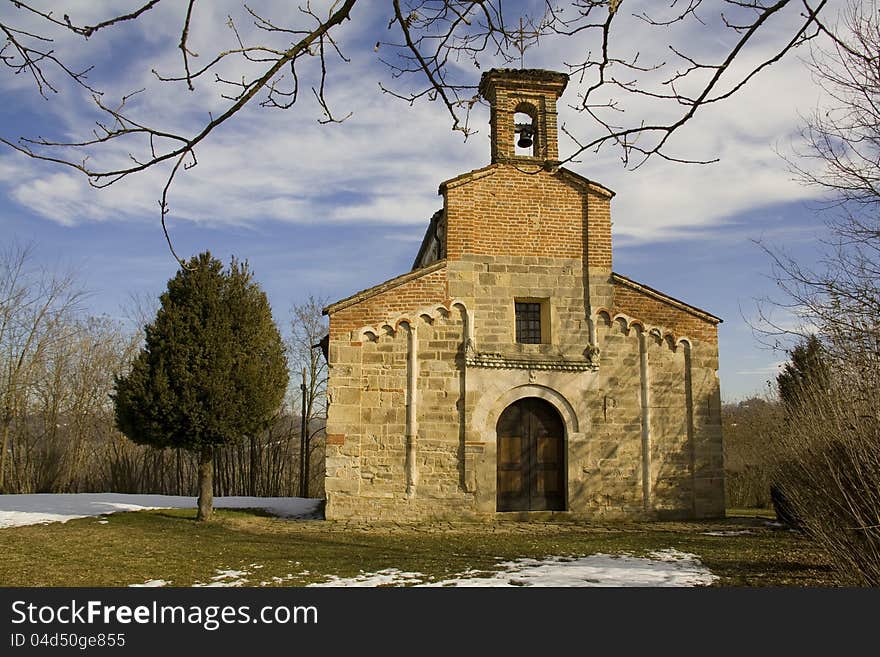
column 728, row 532
column 387, row 577
column 278, row 580
column 152, row 582
column 662, row 568
column 671, row 555
column 227, row 578
column 41, row 508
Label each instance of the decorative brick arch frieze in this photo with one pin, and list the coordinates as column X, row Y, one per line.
column 660, row 334
column 428, row 314
column 488, row 410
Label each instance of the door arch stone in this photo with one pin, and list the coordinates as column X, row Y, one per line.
column 490, row 407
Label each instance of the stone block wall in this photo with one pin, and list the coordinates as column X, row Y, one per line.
column 396, row 418
column 489, row 285
column 642, row 426
column 694, row 334
column 671, row 456
column 613, row 482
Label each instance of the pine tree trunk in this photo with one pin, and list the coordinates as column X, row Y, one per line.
column 206, row 483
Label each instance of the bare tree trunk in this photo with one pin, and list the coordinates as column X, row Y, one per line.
column 179, row 487
column 253, row 467
column 206, row 483
column 4, row 447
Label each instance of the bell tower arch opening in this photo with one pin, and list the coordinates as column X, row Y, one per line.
column 525, row 130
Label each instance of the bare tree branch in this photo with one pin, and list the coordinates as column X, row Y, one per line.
column 433, row 51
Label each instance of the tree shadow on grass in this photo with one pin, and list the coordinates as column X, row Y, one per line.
column 219, row 514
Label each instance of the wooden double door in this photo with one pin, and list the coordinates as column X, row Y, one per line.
column 531, row 457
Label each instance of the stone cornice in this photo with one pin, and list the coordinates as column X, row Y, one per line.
column 519, row 79
column 502, row 362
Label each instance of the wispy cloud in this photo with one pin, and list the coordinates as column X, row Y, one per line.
column 388, row 158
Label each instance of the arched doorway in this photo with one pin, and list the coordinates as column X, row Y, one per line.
column 531, row 457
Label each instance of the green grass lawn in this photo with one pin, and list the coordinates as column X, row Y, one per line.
column 131, row 548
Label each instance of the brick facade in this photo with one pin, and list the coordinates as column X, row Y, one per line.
column 423, row 366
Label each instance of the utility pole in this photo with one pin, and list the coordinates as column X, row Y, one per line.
column 303, row 451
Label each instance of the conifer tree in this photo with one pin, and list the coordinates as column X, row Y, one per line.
column 212, row 371
column 807, row 371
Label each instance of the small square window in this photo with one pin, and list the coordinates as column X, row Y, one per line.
column 528, row 322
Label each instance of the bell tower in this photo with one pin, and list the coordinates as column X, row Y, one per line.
column 523, row 114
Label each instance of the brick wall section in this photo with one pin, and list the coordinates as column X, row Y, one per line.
column 503, row 125
column 599, row 234
column 383, row 302
column 640, row 305
column 500, row 211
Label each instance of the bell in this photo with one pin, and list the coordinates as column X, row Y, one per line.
column 525, row 138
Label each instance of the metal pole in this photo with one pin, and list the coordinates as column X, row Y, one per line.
column 303, row 468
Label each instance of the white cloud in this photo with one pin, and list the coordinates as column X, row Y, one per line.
column 384, row 164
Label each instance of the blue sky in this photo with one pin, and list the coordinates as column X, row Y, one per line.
column 327, row 210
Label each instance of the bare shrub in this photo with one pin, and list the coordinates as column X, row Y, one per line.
column 747, row 427
column 827, row 465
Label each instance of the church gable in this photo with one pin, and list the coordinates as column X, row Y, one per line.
column 506, row 211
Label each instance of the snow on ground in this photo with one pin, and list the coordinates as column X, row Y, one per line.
column 152, row 583
column 662, row 568
column 230, row 577
column 387, row 577
column 17, row 510
column 227, row 578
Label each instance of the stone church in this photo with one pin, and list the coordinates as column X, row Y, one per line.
column 512, row 372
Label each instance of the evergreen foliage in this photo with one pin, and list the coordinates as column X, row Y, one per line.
column 213, row 368
column 807, row 368
column 802, row 378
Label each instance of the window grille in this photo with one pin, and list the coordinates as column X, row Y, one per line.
column 528, row 322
